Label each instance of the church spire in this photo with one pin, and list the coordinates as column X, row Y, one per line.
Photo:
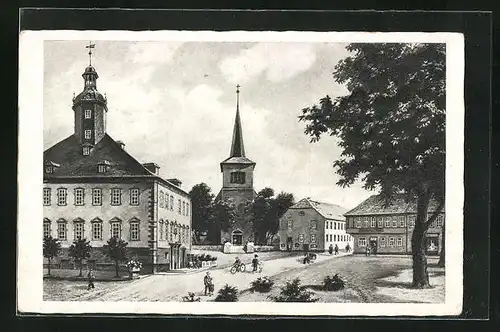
column 237, row 148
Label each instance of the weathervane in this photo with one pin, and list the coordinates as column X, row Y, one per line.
column 90, row 46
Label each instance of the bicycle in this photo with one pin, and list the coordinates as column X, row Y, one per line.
column 238, row 267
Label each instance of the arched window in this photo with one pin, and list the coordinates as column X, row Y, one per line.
column 238, row 177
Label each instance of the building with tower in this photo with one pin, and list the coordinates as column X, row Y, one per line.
column 94, row 189
column 237, row 185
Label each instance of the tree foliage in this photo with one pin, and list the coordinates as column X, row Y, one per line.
column 266, row 209
column 390, row 126
column 51, row 249
column 201, row 202
column 80, row 250
column 223, row 213
column 116, row 250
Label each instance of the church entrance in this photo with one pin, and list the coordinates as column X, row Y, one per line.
column 237, row 237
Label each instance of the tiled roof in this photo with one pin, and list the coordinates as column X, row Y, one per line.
column 375, row 205
column 68, row 154
column 327, row 210
column 237, row 160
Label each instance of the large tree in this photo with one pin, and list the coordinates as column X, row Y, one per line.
column 51, row 249
column 222, row 216
column 201, row 202
column 266, row 209
column 80, row 250
column 391, row 128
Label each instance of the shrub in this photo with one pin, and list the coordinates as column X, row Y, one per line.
column 262, row 285
column 227, row 294
column 334, row 283
column 294, row 292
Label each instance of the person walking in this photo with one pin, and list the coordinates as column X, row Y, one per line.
column 208, row 282
column 367, row 251
column 347, row 248
column 90, row 277
column 255, row 263
column 336, row 249
column 330, row 249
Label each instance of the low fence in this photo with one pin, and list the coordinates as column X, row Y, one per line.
column 208, row 247
column 265, row 248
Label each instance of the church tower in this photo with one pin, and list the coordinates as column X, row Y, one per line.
column 90, row 108
column 237, row 184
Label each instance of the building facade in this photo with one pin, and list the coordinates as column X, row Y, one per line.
column 313, row 226
column 388, row 229
column 94, row 190
column 237, row 187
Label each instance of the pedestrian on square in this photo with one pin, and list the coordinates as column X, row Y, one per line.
column 367, row 251
column 336, row 249
column 330, row 249
column 90, row 277
column 255, row 263
column 347, row 248
column 208, row 282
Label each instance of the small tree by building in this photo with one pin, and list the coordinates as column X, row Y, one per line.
column 51, row 249
column 80, row 250
column 116, row 250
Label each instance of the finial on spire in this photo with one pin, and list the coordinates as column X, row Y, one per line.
column 90, row 46
column 238, row 96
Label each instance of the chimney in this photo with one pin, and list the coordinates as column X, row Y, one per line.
column 175, row 182
column 152, row 167
column 121, row 144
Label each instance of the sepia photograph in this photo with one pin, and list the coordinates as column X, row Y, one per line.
column 257, row 168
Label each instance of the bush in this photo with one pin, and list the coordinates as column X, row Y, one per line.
column 294, row 292
column 262, row 285
column 227, row 294
column 334, row 283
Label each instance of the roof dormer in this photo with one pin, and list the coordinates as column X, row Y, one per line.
column 50, row 166
column 86, row 148
column 103, row 166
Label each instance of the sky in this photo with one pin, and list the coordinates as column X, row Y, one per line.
column 174, row 104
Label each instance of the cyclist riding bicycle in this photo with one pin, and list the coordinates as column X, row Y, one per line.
column 237, row 262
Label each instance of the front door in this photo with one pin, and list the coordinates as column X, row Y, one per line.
column 373, row 245
column 237, row 238
column 289, row 243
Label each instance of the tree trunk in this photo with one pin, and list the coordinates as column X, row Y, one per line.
column 420, row 274
column 117, row 268
column 442, row 254
column 49, row 259
column 81, row 268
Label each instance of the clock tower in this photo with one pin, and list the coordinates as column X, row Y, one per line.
column 90, row 108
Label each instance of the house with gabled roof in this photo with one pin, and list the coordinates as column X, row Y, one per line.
column 95, row 190
column 310, row 225
column 387, row 227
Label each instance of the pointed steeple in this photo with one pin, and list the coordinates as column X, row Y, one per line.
column 237, row 147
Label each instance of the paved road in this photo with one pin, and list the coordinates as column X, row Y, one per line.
column 168, row 287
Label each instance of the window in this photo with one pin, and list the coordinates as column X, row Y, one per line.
column 400, row 241
column 86, row 150
column 289, row 223
column 47, row 193
column 394, row 221
column 313, row 238
column 391, row 242
column 46, row 228
column 362, row 242
column 62, row 194
column 61, row 230
column 187, row 209
column 302, row 213
column 366, row 221
column 79, row 196
column 96, row 196
column 402, row 221
column 301, row 238
column 116, row 196
column 103, row 167
column 166, row 201
column 380, row 222
column 116, row 229
column 88, row 114
column 78, row 230
column 387, row 221
column 183, row 208
column 160, row 230
column 49, row 169
column 162, row 199
column 134, row 196
column 171, row 203
column 374, row 222
column 382, row 242
column 179, row 206
column 313, row 224
column 335, row 225
column 334, row 237
column 358, row 223
column 411, row 221
column 88, row 134
column 97, row 229
column 326, row 224
column 331, row 237
column 238, row 177
column 134, row 231
column 439, row 222
column 167, row 230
